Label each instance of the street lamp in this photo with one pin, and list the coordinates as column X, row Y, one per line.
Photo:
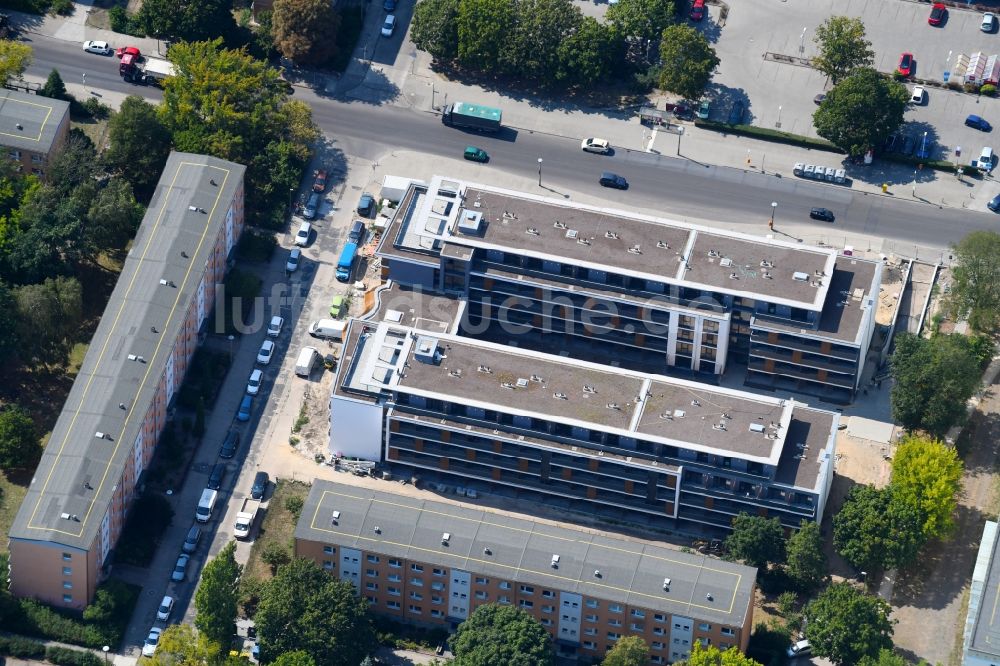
column 539, row 171
column 802, row 41
column 770, row 223
column 105, row 649
column 85, row 79
column 230, row 338
column 680, row 133
column 778, row 124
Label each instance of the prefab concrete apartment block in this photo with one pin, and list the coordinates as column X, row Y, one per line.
column 104, row 437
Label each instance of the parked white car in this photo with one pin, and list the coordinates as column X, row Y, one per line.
column 100, row 48
column 989, row 20
column 265, row 353
column 149, row 645
column 253, row 384
column 389, row 26
column 292, row 264
column 302, row 235
column 595, row 145
column 918, row 95
column 166, row 606
column 274, row 328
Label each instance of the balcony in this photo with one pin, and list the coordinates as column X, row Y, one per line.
column 810, row 360
column 804, row 374
column 791, row 341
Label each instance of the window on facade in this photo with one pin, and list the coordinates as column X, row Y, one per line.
column 591, row 603
column 724, row 646
column 37, row 159
column 656, row 659
column 67, row 557
column 481, row 595
column 417, row 568
column 527, row 604
column 589, row 645
column 503, row 600
column 612, row 636
column 436, row 613
column 416, row 610
column 416, row 596
column 546, row 622
column 590, row 631
column 637, row 626
column 527, row 589
column 659, row 617
column 638, row 613
column 727, row 631
column 395, row 564
column 15, row 154
column 548, row 609
column 590, row 617
column 436, row 599
column 328, row 564
column 371, row 586
column 67, row 585
column 67, row 571
column 373, row 559
column 393, row 605
column 704, row 626
column 394, row 591
column 656, row 645
column 329, row 550
column 67, row 598
column 658, row 631
column 395, row 578
column 504, row 585
column 614, row 622
column 371, row 573
column 548, row 594
column 437, row 585
column 438, row 572
column 371, row 600
column 705, row 642
column 615, row 608
column 482, row 581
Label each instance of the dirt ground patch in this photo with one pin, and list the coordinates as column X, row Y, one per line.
column 278, row 526
column 934, row 593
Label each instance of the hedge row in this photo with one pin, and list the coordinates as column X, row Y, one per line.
column 765, row 134
column 20, row 647
column 28, row 648
column 70, row 657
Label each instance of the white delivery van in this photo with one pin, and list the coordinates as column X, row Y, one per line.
column 985, row 162
column 206, row 505
column 306, row 362
column 328, row 329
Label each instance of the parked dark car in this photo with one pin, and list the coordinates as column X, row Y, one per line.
column 909, row 143
column 215, row 478
column 366, row 205
column 613, row 180
column 823, row 214
column 736, row 113
column 230, row 444
column 259, row 486
column 891, row 143
column 978, row 122
column 994, row 204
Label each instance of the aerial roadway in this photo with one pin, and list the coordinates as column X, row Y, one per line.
column 674, row 186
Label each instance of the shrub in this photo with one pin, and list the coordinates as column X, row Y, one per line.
column 69, row 657
column 257, row 247
column 988, row 89
column 61, row 7
column 21, row 647
column 971, row 87
column 40, row 620
column 765, row 134
column 294, row 505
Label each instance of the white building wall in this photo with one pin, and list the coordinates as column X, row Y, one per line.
column 350, row 566
column 458, row 594
column 355, row 428
column 681, row 635
column 569, row 616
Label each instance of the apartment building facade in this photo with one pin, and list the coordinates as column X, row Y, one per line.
column 981, row 638
column 76, row 506
column 643, row 292
column 32, row 129
column 432, row 563
column 475, row 417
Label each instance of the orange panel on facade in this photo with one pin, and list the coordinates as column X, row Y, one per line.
column 393, row 453
column 443, row 463
column 591, row 493
column 418, row 444
column 567, row 473
column 470, row 454
column 497, row 473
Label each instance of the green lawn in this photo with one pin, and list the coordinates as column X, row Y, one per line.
column 278, row 526
column 11, row 495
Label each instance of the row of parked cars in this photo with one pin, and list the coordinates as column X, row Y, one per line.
column 812, row 171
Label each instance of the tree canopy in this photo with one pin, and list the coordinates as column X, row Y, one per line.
column 687, row 61
column 484, row 30
column 805, row 559
column 215, row 600
column 19, row 445
column 627, row 651
column 975, row 291
column 842, row 47
column 224, row 103
column 540, row 28
column 496, row 635
column 54, row 87
column 297, row 658
column 845, row 625
column 873, row 531
column 138, row 145
column 188, row 20
column 712, row 656
column 14, row 59
column 305, row 608
column 641, row 21
column 927, row 474
column 861, row 110
column 933, row 380
column 435, row 28
column 756, row 540
column 305, row 30
column 886, row 658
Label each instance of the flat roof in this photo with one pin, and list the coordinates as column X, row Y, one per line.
column 853, row 288
column 807, row 447
column 388, row 358
column 518, row 549
column 985, row 636
column 79, row 471
column 451, row 211
column 39, row 118
column 411, row 306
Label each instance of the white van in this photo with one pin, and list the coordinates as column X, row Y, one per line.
column 306, row 362
column 206, row 505
column 328, row 329
column 985, row 162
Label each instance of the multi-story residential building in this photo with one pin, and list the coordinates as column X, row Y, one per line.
column 642, row 292
column 32, row 129
column 981, row 643
column 609, row 442
column 78, row 500
column 432, row 563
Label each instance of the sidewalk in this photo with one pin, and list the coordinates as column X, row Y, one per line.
column 112, row 658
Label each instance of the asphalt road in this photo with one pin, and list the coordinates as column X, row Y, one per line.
column 674, row 185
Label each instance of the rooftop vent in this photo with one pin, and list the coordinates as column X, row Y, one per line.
column 427, row 350
column 612, row 405
column 470, row 223
column 666, row 584
column 559, row 225
column 597, row 573
column 487, row 551
column 708, row 596
column 335, row 517
column 756, row 427
column 734, row 276
column 531, row 230
column 667, row 416
column 726, row 262
column 695, row 403
column 507, row 385
column 485, row 368
column 445, row 538
column 536, row 378
column 583, row 241
column 377, row 530
column 713, row 253
column 571, row 234
column 635, row 249
column 559, row 396
column 662, row 245
column 800, row 276
column 766, row 275
column 767, row 264
column 679, row 413
column 455, row 373
column 610, row 234
column 64, row 516
column 522, row 382
column 19, row 126
column 587, row 388
column 555, row 561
